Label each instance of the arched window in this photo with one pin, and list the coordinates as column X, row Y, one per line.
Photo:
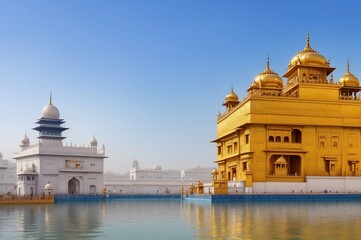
column 271, row 138
column 278, row 139
column 286, row 139
column 304, row 77
column 296, row 136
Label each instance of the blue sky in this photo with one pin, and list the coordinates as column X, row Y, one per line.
column 149, row 77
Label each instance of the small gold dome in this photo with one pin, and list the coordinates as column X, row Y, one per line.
column 214, row 171
column 280, row 160
column 268, row 78
column 348, row 79
column 254, row 84
column 308, row 56
column 231, row 97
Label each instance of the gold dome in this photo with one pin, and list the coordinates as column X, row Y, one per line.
column 254, row 84
column 268, row 78
column 308, row 56
column 231, row 97
column 280, row 160
column 348, row 79
column 257, row 80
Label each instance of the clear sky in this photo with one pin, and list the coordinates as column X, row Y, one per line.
column 149, row 77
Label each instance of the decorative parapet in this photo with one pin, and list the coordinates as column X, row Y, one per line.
column 350, row 97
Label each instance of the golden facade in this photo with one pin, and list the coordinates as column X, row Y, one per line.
column 309, row 126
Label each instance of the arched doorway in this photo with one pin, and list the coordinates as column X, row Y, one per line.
column 73, row 186
column 92, row 189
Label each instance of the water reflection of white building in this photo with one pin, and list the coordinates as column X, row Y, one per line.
column 70, row 169
column 7, row 176
column 155, row 180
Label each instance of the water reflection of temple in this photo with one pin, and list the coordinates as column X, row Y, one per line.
column 272, row 220
column 70, row 221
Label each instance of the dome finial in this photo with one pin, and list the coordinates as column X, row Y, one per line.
column 348, row 65
column 268, row 60
column 308, row 45
column 51, row 99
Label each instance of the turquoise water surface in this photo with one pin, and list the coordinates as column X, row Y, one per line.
column 175, row 219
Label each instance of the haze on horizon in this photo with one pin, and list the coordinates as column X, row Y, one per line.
column 149, row 77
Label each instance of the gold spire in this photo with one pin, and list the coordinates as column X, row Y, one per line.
column 268, row 69
column 348, row 66
column 308, row 47
column 308, row 40
column 50, row 101
column 267, row 61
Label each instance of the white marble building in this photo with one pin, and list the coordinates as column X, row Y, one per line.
column 70, row 169
column 155, row 180
column 7, row 176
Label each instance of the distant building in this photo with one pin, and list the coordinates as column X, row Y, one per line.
column 70, row 169
column 303, row 135
column 7, row 176
column 155, row 180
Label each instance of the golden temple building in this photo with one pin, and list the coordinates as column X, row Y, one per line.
column 302, row 134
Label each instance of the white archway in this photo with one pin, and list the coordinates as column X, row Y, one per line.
column 73, row 186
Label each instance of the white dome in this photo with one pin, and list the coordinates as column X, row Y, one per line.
column 50, row 111
column 157, row 167
column 94, row 142
column 25, row 140
column 48, row 186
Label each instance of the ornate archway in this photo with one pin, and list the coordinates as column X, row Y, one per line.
column 73, row 186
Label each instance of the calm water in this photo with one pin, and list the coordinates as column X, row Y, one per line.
column 174, row 219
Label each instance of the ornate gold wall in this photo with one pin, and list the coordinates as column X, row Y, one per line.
column 309, row 126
